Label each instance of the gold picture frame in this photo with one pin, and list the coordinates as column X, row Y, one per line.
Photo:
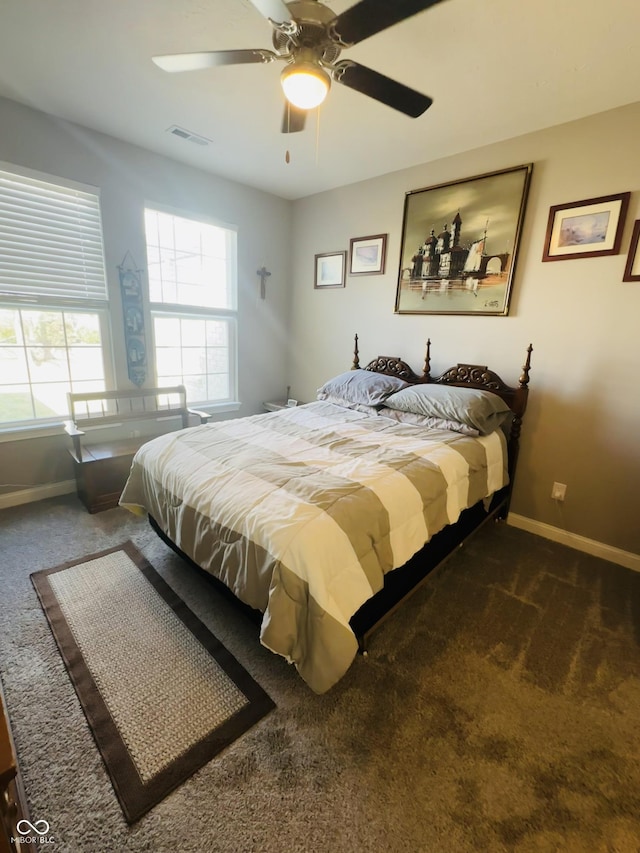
column 467, row 265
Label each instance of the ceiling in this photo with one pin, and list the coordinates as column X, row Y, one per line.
column 495, row 69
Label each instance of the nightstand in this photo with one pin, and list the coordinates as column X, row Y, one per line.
column 276, row 405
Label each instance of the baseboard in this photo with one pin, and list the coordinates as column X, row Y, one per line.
column 573, row 540
column 37, row 493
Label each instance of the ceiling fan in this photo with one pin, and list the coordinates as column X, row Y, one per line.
column 309, row 38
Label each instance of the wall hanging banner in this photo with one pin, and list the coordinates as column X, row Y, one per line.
column 135, row 343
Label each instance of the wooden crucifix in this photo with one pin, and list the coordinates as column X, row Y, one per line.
column 264, row 274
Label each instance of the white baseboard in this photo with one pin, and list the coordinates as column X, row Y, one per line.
column 37, row 493
column 573, row 540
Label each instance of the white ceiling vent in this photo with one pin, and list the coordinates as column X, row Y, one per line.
column 188, row 135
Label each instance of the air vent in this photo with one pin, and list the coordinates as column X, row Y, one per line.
column 188, row 135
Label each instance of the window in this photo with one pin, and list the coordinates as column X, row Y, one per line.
column 54, row 330
column 192, row 294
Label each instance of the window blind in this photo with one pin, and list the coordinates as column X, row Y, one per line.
column 50, row 240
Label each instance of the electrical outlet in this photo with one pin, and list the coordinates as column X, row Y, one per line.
column 559, row 491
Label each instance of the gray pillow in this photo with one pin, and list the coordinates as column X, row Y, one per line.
column 361, row 387
column 476, row 408
column 356, row 407
column 425, row 421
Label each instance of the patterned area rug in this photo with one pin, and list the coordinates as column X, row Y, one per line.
column 161, row 694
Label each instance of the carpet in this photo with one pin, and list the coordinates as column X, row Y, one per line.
column 161, row 694
column 496, row 712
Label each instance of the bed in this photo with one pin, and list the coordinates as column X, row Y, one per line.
column 322, row 518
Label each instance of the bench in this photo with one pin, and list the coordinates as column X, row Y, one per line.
column 106, row 430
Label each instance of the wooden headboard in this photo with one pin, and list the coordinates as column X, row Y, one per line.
column 463, row 376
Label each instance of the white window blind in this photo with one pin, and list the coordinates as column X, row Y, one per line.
column 50, row 240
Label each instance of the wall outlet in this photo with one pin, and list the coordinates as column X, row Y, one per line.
column 559, row 491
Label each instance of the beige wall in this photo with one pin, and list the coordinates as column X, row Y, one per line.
column 583, row 422
column 584, row 408
column 129, row 177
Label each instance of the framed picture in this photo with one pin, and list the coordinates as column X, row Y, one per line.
column 367, row 255
column 632, row 269
column 330, row 268
column 460, row 243
column 586, row 229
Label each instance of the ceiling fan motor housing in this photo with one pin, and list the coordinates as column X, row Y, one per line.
column 312, row 19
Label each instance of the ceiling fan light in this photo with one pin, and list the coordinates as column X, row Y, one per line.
column 305, row 84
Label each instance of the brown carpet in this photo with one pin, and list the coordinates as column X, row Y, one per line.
column 162, row 695
column 497, row 712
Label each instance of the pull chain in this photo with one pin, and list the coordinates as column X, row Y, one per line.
column 287, row 155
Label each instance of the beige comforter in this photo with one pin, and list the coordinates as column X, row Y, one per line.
column 303, row 511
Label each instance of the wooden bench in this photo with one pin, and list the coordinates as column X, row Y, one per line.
column 102, row 459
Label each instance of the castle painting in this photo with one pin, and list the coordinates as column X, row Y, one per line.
column 459, row 244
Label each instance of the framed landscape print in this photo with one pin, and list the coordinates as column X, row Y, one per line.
column 586, row 229
column 367, row 255
column 460, row 243
column 330, row 268
column 632, row 268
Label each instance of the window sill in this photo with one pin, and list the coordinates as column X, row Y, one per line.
column 215, row 408
column 24, row 433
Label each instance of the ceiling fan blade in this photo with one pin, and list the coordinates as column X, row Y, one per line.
column 211, row 59
column 275, row 10
column 383, row 89
column 293, row 119
column 369, row 17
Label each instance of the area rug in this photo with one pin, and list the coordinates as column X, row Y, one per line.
column 161, row 694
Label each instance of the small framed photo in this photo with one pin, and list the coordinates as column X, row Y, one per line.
column 632, row 269
column 330, row 268
column 291, row 403
column 367, row 255
column 586, row 229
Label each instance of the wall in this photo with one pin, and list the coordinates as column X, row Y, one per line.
column 582, row 423
column 128, row 178
column 583, row 419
